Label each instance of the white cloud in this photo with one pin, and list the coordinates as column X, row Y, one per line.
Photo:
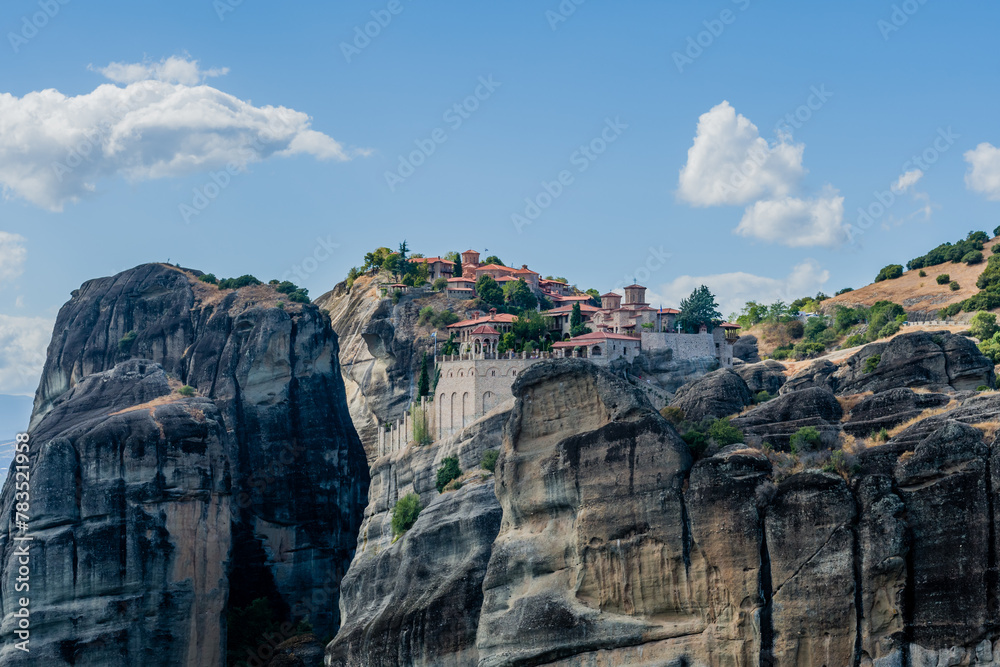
column 731, row 164
column 797, row 222
column 171, row 70
column 733, row 290
column 12, row 256
column 55, row 149
column 22, row 352
column 983, row 175
column 907, row 180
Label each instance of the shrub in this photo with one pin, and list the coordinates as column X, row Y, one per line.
column 871, row 363
column 697, row 442
column 235, row 283
column 448, row 471
column 426, row 313
column 208, row 278
column 844, row 291
column 186, row 390
column 444, row 318
column 763, row 396
column 299, row 296
column 982, row 387
column 991, row 348
column 853, row 341
column 805, row 439
column 995, row 249
column 724, row 433
column 807, row 350
column 405, row 513
column 125, row 344
column 280, row 305
column 949, row 311
column 922, row 274
column 973, row 257
column 795, row 329
column 781, row 355
column 983, row 325
column 954, row 286
column 890, row 329
column 673, row 415
column 440, row 284
column 881, row 436
column 890, row 272
column 488, row 461
column 396, row 296
column 943, row 279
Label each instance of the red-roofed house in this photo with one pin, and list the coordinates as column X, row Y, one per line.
column 600, row 347
column 501, row 323
column 436, row 267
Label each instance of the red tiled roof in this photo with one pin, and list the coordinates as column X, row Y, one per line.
column 670, row 311
column 583, row 297
column 430, row 260
column 502, row 318
column 494, row 267
column 485, row 329
column 633, row 285
column 506, row 279
column 584, row 308
column 611, row 294
column 596, row 337
column 461, row 289
column 461, row 279
column 525, row 271
column 730, row 325
column 474, row 252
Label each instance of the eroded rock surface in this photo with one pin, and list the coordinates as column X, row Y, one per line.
column 155, row 511
column 719, row 394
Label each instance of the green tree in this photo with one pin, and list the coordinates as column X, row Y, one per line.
column 530, row 327
column 724, row 433
column 805, row 439
column 699, row 308
column 405, row 513
column 448, row 471
column 943, row 279
column 890, row 272
column 424, row 383
column 508, row 343
column 493, row 259
column 488, row 461
column 576, row 316
column 519, row 296
column 983, row 325
column 489, row 291
column 991, row 348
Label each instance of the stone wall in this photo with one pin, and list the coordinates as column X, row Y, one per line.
column 469, row 388
column 685, row 346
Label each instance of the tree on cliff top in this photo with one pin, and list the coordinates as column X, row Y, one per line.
column 489, row 291
column 699, row 308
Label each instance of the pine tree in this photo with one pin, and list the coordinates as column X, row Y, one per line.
column 699, row 308
column 424, row 383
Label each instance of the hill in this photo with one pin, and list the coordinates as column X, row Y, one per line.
column 922, row 297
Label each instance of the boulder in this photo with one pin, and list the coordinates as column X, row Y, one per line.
column 719, row 394
column 745, row 349
column 778, row 419
column 890, row 408
column 766, row 376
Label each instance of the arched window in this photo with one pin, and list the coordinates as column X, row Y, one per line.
column 596, row 351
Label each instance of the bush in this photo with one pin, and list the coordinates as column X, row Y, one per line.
column 763, row 396
column 448, row 471
column 844, row 291
column 890, row 329
column 853, row 341
column 186, row 390
column 871, row 363
column 781, row 354
column 882, row 435
column 235, row 283
column 807, row 350
column 973, row 257
column 991, row 348
column 922, row 274
column 983, row 325
column 943, row 279
column 954, row 286
column 405, row 513
column 724, row 433
column 208, row 278
column 125, row 344
column 299, row 296
column 444, row 318
column 488, row 461
column 890, row 272
column 805, row 439
column 982, row 387
column 697, row 442
column 440, row 284
column 795, row 329
column 673, row 415
column 995, row 249
column 949, row 311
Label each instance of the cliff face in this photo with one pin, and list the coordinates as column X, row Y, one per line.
column 615, row 548
column 153, row 512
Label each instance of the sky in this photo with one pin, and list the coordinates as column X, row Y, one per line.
column 768, row 150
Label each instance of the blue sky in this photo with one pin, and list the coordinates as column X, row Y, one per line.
column 317, row 185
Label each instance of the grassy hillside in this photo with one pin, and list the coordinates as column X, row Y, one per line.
column 922, row 297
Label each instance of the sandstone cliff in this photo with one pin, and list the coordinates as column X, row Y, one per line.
column 155, row 512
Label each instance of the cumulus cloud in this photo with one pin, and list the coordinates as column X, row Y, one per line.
column 797, row 222
column 22, row 352
column 907, row 180
column 983, row 175
column 731, row 164
column 172, row 70
column 12, row 257
column 54, row 149
column 733, row 290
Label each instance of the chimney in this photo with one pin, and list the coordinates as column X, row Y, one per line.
column 524, row 267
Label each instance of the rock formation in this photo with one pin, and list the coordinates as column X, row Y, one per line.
column 156, row 511
column 778, row 419
column 719, row 394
